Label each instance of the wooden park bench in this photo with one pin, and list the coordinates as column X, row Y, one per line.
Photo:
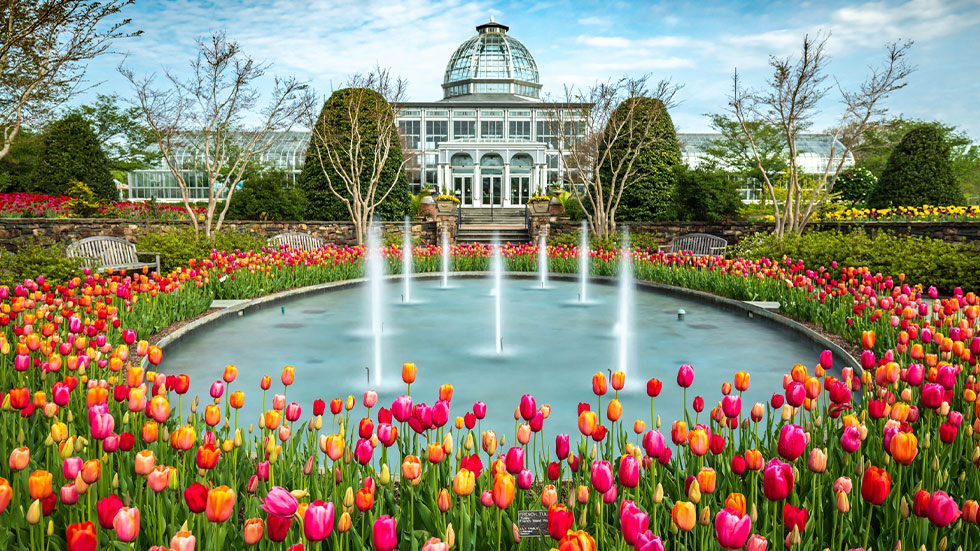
column 296, row 240
column 103, row 253
column 699, row 244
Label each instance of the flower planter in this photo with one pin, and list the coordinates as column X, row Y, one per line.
column 539, row 207
column 446, row 207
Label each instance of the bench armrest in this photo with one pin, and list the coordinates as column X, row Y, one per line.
column 153, row 253
column 662, row 248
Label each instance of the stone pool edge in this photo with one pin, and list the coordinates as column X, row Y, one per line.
column 702, row 296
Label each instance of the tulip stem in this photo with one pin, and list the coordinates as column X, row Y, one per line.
column 898, row 496
column 498, row 528
column 867, row 528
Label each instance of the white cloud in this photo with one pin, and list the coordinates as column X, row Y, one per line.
column 594, row 21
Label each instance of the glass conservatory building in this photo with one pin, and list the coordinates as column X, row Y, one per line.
column 490, row 140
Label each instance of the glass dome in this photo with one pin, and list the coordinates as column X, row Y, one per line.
column 491, row 63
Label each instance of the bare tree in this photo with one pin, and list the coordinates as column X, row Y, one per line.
column 604, row 126
column 789, row 102
column 44, row 48
column 207, row 116
column 357, row 144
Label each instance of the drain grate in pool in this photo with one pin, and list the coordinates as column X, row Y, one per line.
column 702, row 326
column 289, row 325
column 313, row 311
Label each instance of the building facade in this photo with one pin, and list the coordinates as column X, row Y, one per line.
column 490, row 141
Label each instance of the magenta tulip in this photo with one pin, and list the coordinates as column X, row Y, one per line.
column 602, row 477
column 792, row 442
column 384, row 534
column 777, row 480
column 401, row 408
column 851, row 439
column 280, row 502
column 732, row 531
column 363, row 451
column 633, row 522
column 561, row 446
column 528, row 407
column 943, row 511
column 318, row 520
column 514, row 460
column 654, row 443
column 629, row 471
column 685, row 375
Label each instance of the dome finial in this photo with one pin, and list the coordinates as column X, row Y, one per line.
column 491, row 18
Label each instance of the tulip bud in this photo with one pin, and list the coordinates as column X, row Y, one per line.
column 904, row 508
column 450, row 538
column 594, row 452
column 842, row 502
column 385, row 476
column 582, row 517
column 50, row 528
column 349, row 498
column 754, row 514
column 658, row 493
column 705, row 518
column 694, row 492
column 34, row 512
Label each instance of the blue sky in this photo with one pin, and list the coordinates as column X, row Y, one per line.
column 697, row 44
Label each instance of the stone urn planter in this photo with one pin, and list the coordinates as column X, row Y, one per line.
column 539, row 207
column 555, row 208
column 446, row 206
column 428, row 208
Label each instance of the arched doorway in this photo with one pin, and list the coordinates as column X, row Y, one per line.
column 492, row 175
column 520, row 178
column 462, row 170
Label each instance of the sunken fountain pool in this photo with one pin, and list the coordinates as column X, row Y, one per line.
column 550, row 344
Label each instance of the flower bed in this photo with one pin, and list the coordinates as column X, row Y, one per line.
column 102, row 452
column 36, row 205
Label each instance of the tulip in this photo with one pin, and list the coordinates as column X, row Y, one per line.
column 851, row 439
column 183, row 540
column 20, row 458
column 254, row 531
column 794, row 517
column 777, row 480
column 127, row 523
column 288, row 375
column 561, row 446
column 528, row 407
column 280, row 502
column 732, row 528
column 587, row 422
column 549, row 495
column 384, row 534
column 81, row 537
column 196, row 497
column 875, row 485
column 464, row 482
column 599, row 387
column 684, row 515
column 698, row 441
column 903, row 447
column 364, row 499
column 685, row 376
column 318, row 520
column 278, row 527
column 817, row 461
column 756, row 543
column 654, row 443
column 503, row 490
column 602, row 477
column 221, row 503
column 707, row 480
column 514, row 460
column 40, row 484
column 435, row 544
column 560, row 521
column 629, row 471
column 654, row 386
column 943, row 511
column 736, row 502
column 633, row 522
column 106, row 509
column 577, row 540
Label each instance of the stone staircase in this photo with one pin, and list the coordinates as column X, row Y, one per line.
column 479, row 225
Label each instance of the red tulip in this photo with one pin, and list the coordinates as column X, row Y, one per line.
column 777, row 480
column 875, row 485
column 560, row 521
column 82, row 537
column 794, row 517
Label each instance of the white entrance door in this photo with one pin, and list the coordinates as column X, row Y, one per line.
column 492, row 192
column 463, row 188
column 520, row 190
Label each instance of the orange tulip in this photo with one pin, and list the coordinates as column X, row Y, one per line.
column 237, row 399
column 6, row 492
column 19, row 459
column 150, row 431
column 706, row 480
column 742, row 381
column 754, row 460
column 409, row 372
column 364, row 499
column 91, row 470
column 577, row 540
column 144, row 462
column 333, row 445
column 698, row 441
column 288, row 375
column 230, row 374
column 599, row 384
column 207, row 456
column 254, row 530
column 868, row 339
column 39, row 484
column 463, row 483
column 587, row 422
column 446, row 392
column 736, row 501
column 212, row 414
column 614, row 410
column 272, row 419
column 618, row 380
column 184, row 438
column 221, row 503
column 904, row 447
column 503, row 490
column 684, row 515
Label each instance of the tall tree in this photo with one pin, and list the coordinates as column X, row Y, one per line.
column 70, row 151
column 790, row 102
column 124, row 136
column 207, row 114
column 45, row 47
column 593, row 132
column 733, row 152
column 919, row 172
column 355, row 167
column 648, row 197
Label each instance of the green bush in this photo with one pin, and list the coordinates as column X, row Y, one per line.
column 83, row 203
column 266, row 195
column 921, row 259
column 69, row 151
column 177, row 246
column 36, row 257
column 919, row 172
column 705, row 194
column 854, row 185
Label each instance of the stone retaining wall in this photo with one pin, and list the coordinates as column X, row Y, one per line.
column 951, row 232
column 67, row 230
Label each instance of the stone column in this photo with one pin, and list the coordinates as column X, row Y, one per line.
column 505, row 186
column 477, row 186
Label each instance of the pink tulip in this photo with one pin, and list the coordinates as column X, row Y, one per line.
column 293, row 411
column 685, row 375
column 217, row 389
column 756, row 543
column 826, row 361
column 943, row 511
column 127, row 523
column 480, row 410
column 440, row 413
column 435, row 544
column 528, row 407
column 777, row 480
column 102, row 425
column 795, row 394
column 524, row 479
column 731, row 406
column 69, row 494
column 318, row 520
column 280, row 502
column 370, row 398
column 71, row 467
column 278, row 401
column 792, row 442
column 932, row 395
column 851, row 439
column 654, row 443
column 561, row 446
column 648, row 542
column 602, row 477
column 384, row 533
column 401, row 408
column 363, row 451
column 629, row 471
column 732, row 531
column 514, row 460
column 633, row 522
column 183, row 541
column 262, row 470
column 915, row 374
column 843, row 484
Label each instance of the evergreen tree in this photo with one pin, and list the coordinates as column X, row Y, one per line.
column 919, row 172
column 648, row 197
column 267, row 195
column 334, row 120
column 705, row 194
column 70, row 151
